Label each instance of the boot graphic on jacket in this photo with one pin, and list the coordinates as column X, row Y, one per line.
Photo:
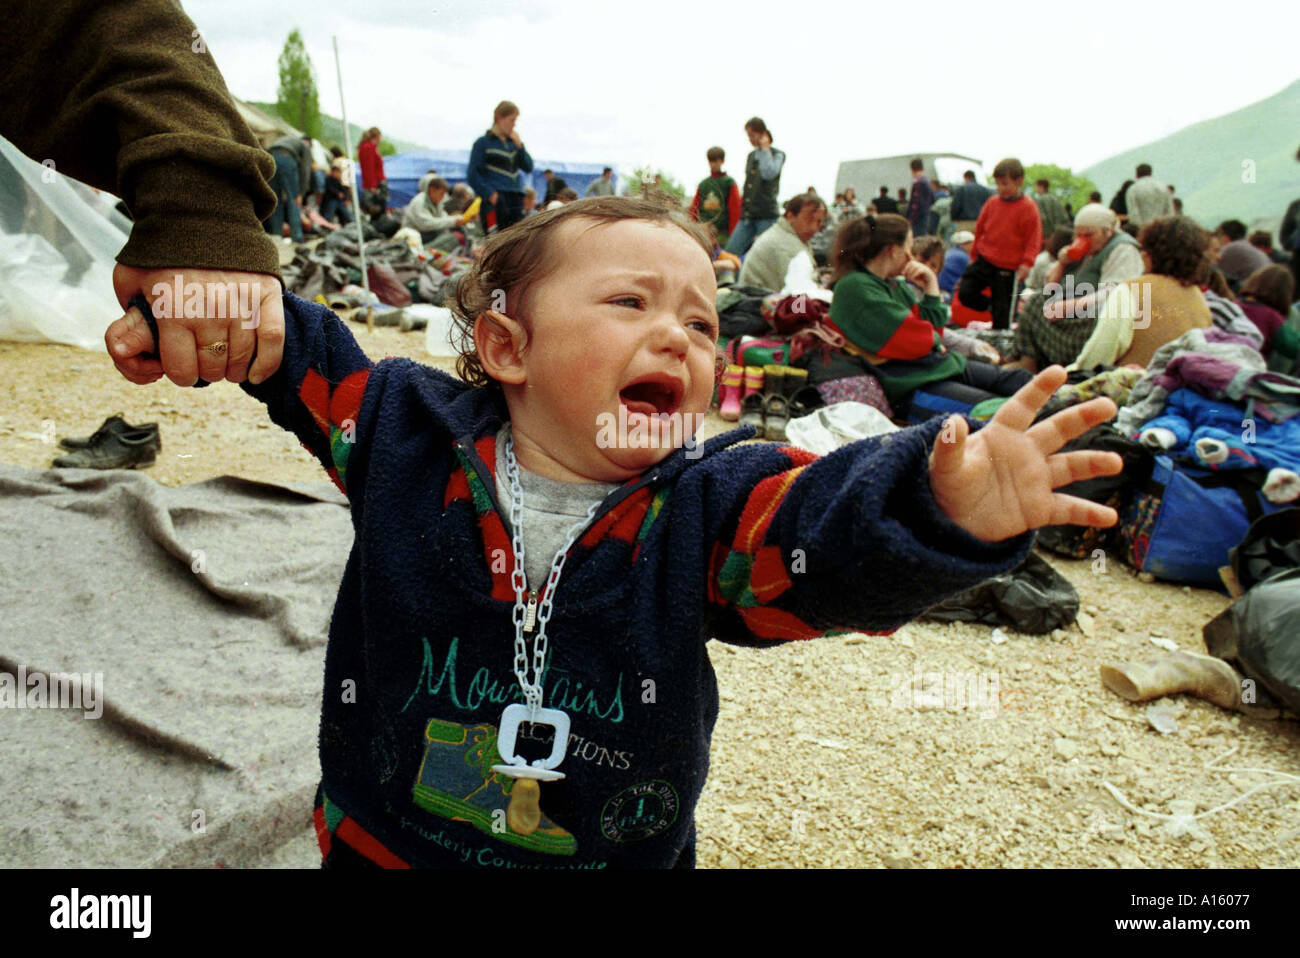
column 456, row 781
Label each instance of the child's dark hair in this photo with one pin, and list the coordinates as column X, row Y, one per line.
column 716, row 153
column 1217, row 283
column 1271, row 285
column 1010, row 168
column 925, row 248
column 916, row 165
column 861, row 240
column 515, row 258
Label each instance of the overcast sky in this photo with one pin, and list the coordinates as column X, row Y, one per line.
column 659, row 83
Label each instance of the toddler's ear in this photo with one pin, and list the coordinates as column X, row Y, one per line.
column 500, row 342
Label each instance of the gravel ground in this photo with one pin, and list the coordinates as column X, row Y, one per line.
column 835, row 752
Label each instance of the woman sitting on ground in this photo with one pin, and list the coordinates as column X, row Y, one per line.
column 1056, row 322
column 888, row 332
column 1265, row 298
column 1164, row 302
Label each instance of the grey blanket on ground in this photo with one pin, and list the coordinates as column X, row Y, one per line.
column 206, row 609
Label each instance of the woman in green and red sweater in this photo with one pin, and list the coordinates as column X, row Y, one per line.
column 885, row 328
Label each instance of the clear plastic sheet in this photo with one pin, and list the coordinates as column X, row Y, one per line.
column 58, row 240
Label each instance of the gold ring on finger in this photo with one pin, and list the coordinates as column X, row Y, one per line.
column 217, row 349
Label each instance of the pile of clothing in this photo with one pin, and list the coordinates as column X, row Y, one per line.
column 1211, row 442
column 1208, row 398
column 400, row 270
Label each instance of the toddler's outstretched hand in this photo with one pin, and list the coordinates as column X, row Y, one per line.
column 998, row 483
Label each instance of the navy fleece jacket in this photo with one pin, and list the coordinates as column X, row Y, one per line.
column 752, row 544
column 495, row 164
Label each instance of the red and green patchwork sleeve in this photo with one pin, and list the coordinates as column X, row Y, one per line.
column 316, row 393
column 849, row 542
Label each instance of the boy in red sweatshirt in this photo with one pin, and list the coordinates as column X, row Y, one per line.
column 1008, row 235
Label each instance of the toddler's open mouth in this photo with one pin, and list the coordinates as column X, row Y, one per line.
column 657, row 395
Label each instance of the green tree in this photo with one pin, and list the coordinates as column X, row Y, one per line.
column 386, row 148
column 641, row 183
column 296, row 99
column 1066, row 185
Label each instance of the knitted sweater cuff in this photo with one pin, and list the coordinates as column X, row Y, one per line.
column 189, row 215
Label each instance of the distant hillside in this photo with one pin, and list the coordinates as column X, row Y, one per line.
column 1204, row 162
column 332, row 131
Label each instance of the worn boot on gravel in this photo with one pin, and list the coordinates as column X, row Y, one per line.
column 1201, row 675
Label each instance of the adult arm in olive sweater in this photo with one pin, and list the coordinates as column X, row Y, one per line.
column 115, row 94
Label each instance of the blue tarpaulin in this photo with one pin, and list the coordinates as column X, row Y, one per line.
column 405, row 169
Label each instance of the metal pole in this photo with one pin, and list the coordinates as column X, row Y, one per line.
column 352, row 179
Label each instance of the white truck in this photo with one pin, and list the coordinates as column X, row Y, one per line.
column 895, row 173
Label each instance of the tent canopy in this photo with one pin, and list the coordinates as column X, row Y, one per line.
column 268, row 129
column 265, row 127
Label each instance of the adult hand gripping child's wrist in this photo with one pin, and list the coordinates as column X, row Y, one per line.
column 999, row 482
column 243, row 336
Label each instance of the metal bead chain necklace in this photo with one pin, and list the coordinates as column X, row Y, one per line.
column 530, row 618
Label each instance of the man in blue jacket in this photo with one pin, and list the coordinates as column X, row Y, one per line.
column 967, row 201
